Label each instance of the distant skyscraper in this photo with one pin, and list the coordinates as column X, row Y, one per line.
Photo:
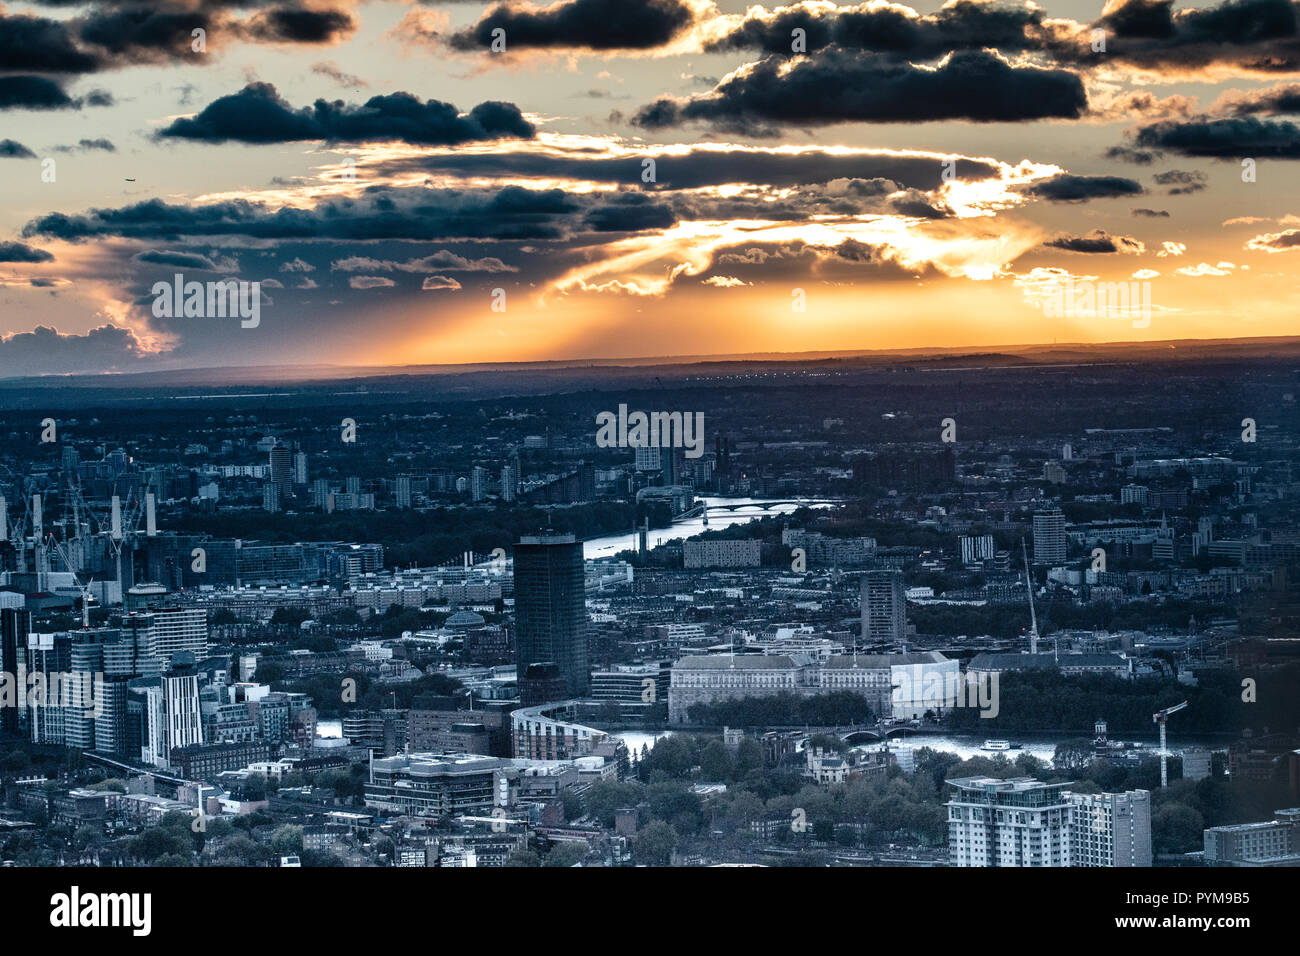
column 172, row 715
column 478, row 481
column 672, row 462
column 300, row 468
column 281, row 456
column 15, row 625
column 550, row 607
column 509, row 482
column 403, row 491
column 1049, row 537
column 884, row 607
column 1067, row 453
column 49, row 655
column 271, row 497
column 353, row 486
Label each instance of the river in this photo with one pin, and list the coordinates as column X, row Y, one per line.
column 610, row 545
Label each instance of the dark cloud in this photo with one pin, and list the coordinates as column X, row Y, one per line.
column 20, row 252
column 296, row 25
column 1181, row 181
column 32, row 93
column 88, row 145
column 1127, row 154
column 1252, row 35
column 182, row 260
column 918, row 205
column 257, row 114
column 631, row 212
column 891, row 29
column 45, row 351
column 1097, row 241
column 836, row 85
column 1065, row 187
column 580, row 24
column 410, row 213
column 143, row 35
column 1276, row 99
column 332, row 71
column 702, row 167
column 1234, row 138
column 10, row 149
column 1151, row 213
column 42, row 45
column 1152, row 19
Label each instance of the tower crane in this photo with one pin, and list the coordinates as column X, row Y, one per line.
column 1033, row 616
column 62, row 550
column 1160, row 717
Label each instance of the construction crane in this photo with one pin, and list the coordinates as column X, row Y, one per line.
column 61, row 548
column 1033, row 616
column 1160, row 717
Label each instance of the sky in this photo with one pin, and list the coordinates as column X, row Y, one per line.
column 457, row 181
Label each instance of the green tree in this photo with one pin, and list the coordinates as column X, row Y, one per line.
column 655, row 843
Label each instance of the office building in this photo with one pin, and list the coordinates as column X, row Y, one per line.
column 172, row 716
column 550, row 607
column 884, row 607
column 975, row 550
column 722, row 553
column 281, row 470
column 1049, row 537
column 1272, row 843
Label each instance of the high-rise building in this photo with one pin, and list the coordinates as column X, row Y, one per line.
column 509, row 482
column 161, row 633
column 1014, row 822
column 550, row 607
column 402, row 488
column 976, row 549
column 281, row 472
column 300, row 468
column 48, row 661
column 271, row 497
column 1110, row 829
column 173, row 717
column 1022, row 822
column 15, row 625
column 884, row 607
column 1049, row 537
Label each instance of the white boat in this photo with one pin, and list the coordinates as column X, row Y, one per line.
column 996, row 745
